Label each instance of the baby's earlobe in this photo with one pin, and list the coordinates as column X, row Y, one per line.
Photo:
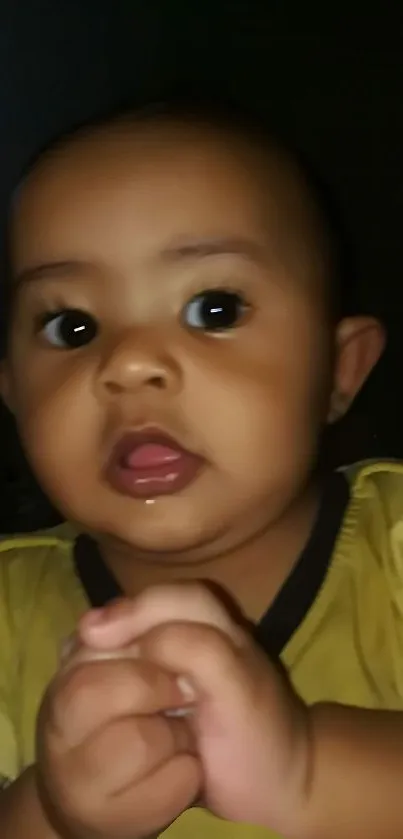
column 339, row 405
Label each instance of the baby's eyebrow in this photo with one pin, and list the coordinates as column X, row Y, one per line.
column 187, row 250
column 48, row 270
column 216, row 246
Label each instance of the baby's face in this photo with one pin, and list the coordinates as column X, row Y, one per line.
column 165, row 284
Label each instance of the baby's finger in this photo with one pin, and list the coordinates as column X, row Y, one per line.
column 86, row 696
column 208, row 663
column 129, row 749
column 125, row 620
column 248, row 723
column 156, row 800
column 75, row 652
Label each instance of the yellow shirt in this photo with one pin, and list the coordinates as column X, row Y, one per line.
column 347, row 648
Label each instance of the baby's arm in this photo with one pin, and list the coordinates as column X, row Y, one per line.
column 355, row 783
column 111, row 761
column 21, row 813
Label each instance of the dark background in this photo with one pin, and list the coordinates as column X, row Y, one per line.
column 330, row 74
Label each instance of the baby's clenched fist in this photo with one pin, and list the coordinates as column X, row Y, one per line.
column 111, row 763
column 251, row 730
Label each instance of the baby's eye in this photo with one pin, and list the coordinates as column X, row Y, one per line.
column 215, row 310
column 69, row 329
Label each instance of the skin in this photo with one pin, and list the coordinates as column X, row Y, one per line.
column 120, row 206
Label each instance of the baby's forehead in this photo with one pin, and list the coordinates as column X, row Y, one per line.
column 99, row 156
column 211, row 175
column 108, row 149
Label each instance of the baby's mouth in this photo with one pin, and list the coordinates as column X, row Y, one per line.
column 150, row 463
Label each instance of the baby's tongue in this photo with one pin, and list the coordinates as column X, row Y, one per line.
column 151, row 454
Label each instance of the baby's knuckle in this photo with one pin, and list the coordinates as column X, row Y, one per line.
column 131, row 687
column 142, row 689
column 198, row 640
column 73, row 801
column 76, row 688
column 68, row 795
column 144, row 745
column 153, row 742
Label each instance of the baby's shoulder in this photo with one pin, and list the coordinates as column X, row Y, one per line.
column 377, row 486
column 31, row 561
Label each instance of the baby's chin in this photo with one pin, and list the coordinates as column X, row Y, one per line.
column 188, row 527
column 161, row 540
column 172, row 550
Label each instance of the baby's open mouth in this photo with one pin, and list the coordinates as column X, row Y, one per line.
column 149, row 463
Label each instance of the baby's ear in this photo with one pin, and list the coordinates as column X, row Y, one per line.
column 360, row 342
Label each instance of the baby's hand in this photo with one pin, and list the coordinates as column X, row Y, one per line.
column 251, row 730
column 109, row 762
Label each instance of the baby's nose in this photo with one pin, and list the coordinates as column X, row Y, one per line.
column 133, row 364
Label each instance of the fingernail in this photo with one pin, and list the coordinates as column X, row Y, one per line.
column 186, row 689
column 96, row 617
column 178, row 712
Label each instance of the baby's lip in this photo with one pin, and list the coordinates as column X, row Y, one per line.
column 151, row 462
column 132, row 440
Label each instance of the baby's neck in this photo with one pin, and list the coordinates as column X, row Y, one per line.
column 252, row 574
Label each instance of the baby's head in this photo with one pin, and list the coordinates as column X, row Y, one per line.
column 173, row 273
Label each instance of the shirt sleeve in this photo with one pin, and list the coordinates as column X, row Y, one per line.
column 390, row 553
column 8, row 673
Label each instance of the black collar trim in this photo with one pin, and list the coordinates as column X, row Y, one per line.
column 294, row 599
column 297, row 595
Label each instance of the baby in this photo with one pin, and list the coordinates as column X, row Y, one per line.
column 175, row 350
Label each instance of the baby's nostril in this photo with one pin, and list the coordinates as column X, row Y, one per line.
column 157, row 382
column 113, row 387
column 116, row 385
